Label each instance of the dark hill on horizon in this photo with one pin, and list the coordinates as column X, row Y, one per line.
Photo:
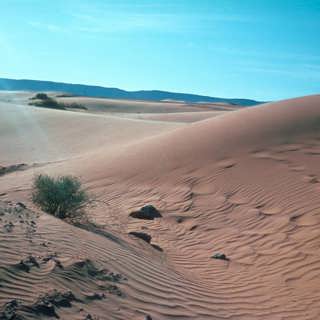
column 115, row 93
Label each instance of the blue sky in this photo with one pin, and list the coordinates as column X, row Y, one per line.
column 261, row 49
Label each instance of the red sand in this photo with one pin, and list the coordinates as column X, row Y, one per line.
column 245, row 184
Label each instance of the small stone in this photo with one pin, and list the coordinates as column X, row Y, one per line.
column 22, row 205
column 179, row 219
column 220, row 256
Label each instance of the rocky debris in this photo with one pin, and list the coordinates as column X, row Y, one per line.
column 22, row 205
column 113, row 289
column 47, row 304
column 147, row 317
column 220, row 256
column 61, row 299
column 44, row 244
column 9, row 226
column 112, row 277
column 95, row 296
column 102, row 277
column 147, row 212
column 27, row 264
column 8, row 311
column 16, row 215
column 141, row 235
column 53, row 257
column 57, row 298
column 89, row 269
column 44, row 308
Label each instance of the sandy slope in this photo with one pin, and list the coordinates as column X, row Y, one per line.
column 184, row 117
column 29, row 134
column 137, row 106
column 245, row 184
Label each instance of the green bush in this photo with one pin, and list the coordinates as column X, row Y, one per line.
column 40, row 96
column 44, row 101
column 61, row 196
column 48, row 103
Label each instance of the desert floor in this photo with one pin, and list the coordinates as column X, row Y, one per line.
column 226, row 179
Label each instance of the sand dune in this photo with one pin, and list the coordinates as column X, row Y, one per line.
column 232, row 134
column 182, row 117
column 142, row 106
column 30, row 134
column 245, row 184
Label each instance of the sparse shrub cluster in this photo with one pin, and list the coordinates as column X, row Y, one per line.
column 65, row 95
column 40, row 96
column 62, row 196
column 43, row 100
column 75, row 106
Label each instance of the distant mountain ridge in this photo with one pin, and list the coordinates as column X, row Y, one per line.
column 113, row 93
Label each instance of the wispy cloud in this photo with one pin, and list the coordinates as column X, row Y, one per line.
column 123, row 22
column 303, row 72
column 47, row 26
column 110, row 24
column 276, row 55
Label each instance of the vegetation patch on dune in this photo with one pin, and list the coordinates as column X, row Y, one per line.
column 44, row 101
column 12, row 168
column 62, row 196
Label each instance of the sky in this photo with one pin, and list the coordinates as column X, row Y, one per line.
column 259, row 49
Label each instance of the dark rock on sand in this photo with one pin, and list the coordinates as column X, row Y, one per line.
column 179, row 219
column 141, row 235
column 148, row 212
column 9, row 226
column 28, row 263
column 22, row 205
column 220, row 256
column 157, row 247
column 8, row 311
column 95, row 296
column 46, row 305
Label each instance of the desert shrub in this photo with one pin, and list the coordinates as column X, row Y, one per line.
column 76, row 105
column 40, row 96
column 43, row 100
column 48, row 103
column 62, row 196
